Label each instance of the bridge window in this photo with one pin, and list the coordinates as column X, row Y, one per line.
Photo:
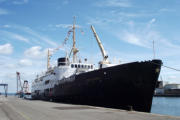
column 72, row 65
column 78, row 66
column 91, row 66
column 75, row 66
column 88, row 67
column 82, row 66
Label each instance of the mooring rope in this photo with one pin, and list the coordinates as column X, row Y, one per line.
column 171, row 68
column 167, row 67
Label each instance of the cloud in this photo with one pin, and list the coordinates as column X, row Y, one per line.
column 122, row 14
column 20, row 2
column 15, row 2
column 35, row 34
column 166, row 10
column 152, row 21
column 10, row 66
column 113, row 3
column 65, row 2
column 103, row 20
column 133, row 39
column 2, row 1
column 6, row 26
column 117, row 17
column 6, row 49
column 12, row 35
column 144, row 35
column 3, row 12
column 35, row 52
column 31, row 35
column 172, row 77
column 128, row 14
column 21, row 38
column 25, row 62
column 130, row 23
column 63, row 26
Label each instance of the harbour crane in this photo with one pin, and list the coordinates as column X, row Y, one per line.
column 19, row 85
column 18, row 79
column 22, row 89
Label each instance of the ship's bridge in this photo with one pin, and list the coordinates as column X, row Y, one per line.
column 78, row 66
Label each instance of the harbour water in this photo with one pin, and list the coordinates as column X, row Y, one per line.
column 166, row 106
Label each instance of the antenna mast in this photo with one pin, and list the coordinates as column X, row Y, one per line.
column 153, row 50
column 48, row 59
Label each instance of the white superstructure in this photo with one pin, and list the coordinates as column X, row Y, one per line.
column 60, row 73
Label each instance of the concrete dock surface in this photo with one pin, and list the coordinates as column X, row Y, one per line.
column 13, row 108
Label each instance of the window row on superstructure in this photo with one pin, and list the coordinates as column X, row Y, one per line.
column 81, row 66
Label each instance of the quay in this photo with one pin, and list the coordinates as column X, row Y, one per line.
column 13, row 108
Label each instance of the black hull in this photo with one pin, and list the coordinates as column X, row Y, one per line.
column 123, row 86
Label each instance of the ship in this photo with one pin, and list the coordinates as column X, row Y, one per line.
column 167, row 89
column 127, row 86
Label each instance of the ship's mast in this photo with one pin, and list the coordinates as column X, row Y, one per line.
column 74, row 49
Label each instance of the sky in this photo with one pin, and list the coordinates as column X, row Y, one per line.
column 127, row 29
